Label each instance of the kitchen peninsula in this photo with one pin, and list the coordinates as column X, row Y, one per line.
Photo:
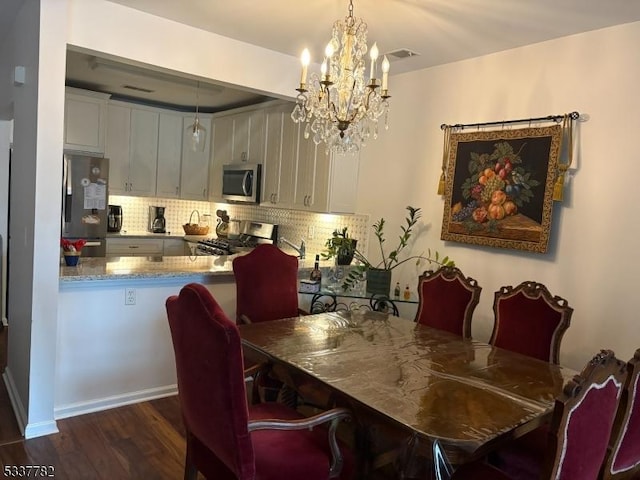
column 113, row 344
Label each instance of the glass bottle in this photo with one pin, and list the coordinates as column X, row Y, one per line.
column 407, row 293
column 396, row 291
column 316, row 274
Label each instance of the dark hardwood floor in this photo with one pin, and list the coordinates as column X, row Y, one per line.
column 140, row 441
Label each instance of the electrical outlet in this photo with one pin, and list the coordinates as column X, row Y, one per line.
column 129, row 296
column 311, row 232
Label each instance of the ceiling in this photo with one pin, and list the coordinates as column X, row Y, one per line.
column 437, row 31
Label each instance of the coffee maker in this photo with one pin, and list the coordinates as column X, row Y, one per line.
column 114, row 218
column 157, row 222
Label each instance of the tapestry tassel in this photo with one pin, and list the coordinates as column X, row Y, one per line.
column 445, row 159
column 558, row 188
column 441, row 184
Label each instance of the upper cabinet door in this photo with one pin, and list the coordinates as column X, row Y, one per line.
column 169, row 155
column 143, row 157
column 85, row 117
column 117, row 148
column 194, row 174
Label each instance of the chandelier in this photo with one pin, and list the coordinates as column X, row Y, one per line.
column 341, row 107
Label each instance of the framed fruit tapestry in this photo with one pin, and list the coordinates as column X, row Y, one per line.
column 499, row 187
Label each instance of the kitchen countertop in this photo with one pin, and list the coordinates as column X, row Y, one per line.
column 126, row 268
column 144, row 234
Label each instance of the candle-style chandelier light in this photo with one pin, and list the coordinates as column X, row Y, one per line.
column 341, row 107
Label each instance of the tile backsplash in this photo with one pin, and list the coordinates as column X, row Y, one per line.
column 294, row 225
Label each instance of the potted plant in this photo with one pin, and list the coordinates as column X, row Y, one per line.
column 341, row 247
column 379, row 274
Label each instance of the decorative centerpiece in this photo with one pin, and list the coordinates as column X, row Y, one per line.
column 72, row 251
column 378, row 275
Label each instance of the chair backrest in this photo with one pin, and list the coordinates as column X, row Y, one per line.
column 266, row 284
column 582, row 420
column 529, row 320
column 211, row 386
column 623, row 459
column 447, row 300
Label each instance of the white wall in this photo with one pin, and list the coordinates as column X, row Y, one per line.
column 593, row 258
column 37, row 42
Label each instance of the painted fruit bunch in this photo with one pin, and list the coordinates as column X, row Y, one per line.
column 497, row 186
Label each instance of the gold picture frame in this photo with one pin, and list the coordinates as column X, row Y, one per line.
column 499, row 187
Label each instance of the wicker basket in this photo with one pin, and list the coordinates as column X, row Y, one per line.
column 195, row 228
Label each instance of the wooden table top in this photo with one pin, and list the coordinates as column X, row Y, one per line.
column 465, row 393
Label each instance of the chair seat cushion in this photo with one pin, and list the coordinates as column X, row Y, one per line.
column 307, row 452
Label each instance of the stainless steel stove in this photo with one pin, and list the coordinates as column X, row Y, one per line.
column 252, row 234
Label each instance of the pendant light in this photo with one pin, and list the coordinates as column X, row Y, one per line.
column 196, row 133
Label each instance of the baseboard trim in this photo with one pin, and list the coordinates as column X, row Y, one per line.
column 97, row 405
column 40, row 429
column 28, row 430
column 14, row 397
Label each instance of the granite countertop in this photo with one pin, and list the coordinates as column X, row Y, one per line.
column 125, row 268
column 144, row 234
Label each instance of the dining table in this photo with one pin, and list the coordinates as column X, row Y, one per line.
column 408, row 384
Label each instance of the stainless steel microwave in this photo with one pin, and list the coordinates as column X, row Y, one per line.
column 241, row 182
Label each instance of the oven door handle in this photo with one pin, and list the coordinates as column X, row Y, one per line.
column 246, row 182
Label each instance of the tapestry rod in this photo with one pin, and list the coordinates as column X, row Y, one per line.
column 550, row 118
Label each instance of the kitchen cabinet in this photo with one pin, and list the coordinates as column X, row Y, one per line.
column 169, row 155
column 135, row 247
column 311, row 174
column 326, row 182
column 117, row 148
column 143, row 154
column 194, row 173
column 85, row 116
column 248, row 137
column 132, row 149
column 222, row 146
column 279, row 169
column 149, row 155
column 175, row 247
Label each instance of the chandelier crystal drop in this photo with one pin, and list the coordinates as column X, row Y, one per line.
column 341, row 106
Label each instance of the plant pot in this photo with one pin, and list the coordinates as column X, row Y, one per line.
column 378, row 281
column 346, row 249
column 71, row 259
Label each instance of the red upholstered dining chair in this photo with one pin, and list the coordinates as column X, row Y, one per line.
column 447, row 300
column 623, row 458
column 266, row 285
column 574, row 445
column 226, row 439
column 529, row 320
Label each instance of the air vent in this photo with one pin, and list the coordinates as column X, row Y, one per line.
column 400, row 54
column 138, row 89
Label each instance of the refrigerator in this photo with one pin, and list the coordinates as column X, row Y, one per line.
column 85, row 191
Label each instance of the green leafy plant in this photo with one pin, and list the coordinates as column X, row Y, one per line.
column 388, row 261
